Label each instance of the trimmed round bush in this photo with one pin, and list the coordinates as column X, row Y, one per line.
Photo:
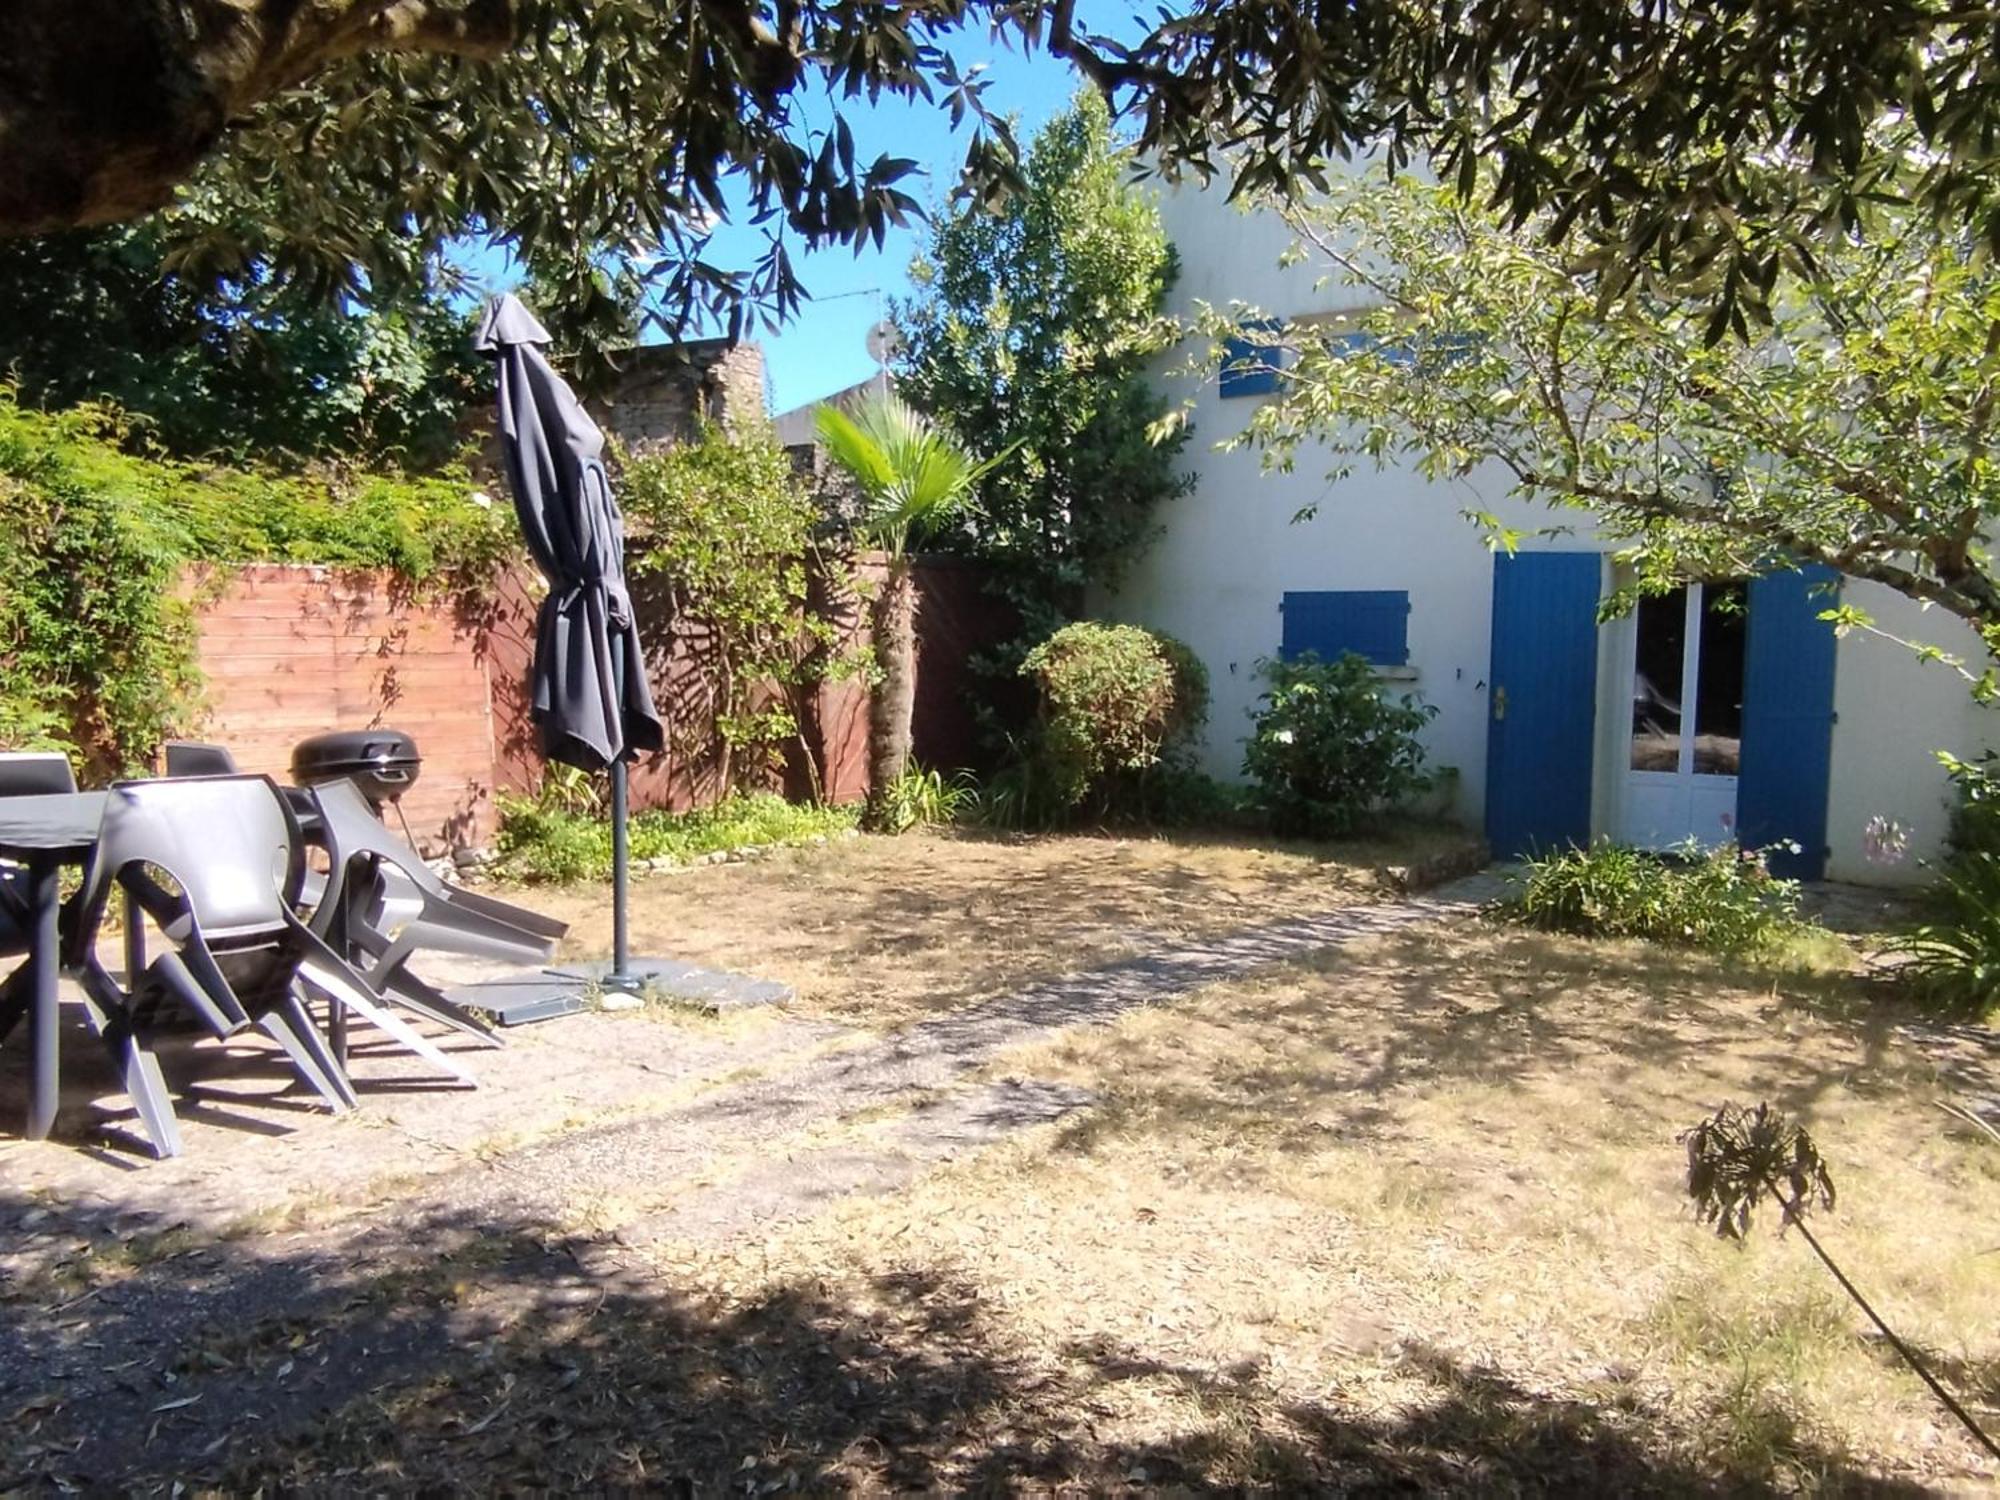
column 1115, row 700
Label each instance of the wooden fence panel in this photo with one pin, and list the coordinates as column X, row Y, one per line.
column 290, row 652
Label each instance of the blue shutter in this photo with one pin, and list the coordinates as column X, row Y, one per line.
column 1428, row 354
column 1787, row 719
column 1250, row 366
column 1374, row 623
column 1541, row 701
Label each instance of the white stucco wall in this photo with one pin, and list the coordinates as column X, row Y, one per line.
column 1892, row 714
column 1230, row 549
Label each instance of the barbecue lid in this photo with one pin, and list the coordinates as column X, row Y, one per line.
column 346, row 750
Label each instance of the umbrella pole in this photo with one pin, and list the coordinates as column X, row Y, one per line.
column 620, row 946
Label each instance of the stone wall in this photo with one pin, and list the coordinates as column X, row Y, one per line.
column 653, row 395
column 659, row 393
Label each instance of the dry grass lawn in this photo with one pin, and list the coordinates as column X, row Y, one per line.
column 1417, row 1216
column 877, row 930
column 1407, row 1217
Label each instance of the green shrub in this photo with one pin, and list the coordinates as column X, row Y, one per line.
column 1020, row 794
column 1116, row 702
column 1175, row 794
column 1721, row 901
column 543, row 840
column 723, row 527
column 1950, row 958
column 1329, row 751
column 1975, row 821
column 545, row 843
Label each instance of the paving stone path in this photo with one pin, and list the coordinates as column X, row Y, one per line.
column 741, row 1159
column 548, row 1179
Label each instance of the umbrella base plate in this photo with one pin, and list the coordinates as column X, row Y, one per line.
column 710, row 989
column 518, row 999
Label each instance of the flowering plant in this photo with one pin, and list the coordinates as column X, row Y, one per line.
column 1329, row 751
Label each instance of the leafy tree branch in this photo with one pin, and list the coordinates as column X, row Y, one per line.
column 1851, row 431
column 1708, row 153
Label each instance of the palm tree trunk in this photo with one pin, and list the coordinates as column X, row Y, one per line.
column 894, row 702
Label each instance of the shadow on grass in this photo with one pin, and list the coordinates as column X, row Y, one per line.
column 1344, row 1041
column 504, row 1356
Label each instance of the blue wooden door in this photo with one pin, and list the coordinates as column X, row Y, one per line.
column 1541, row 700
column 1788, row 661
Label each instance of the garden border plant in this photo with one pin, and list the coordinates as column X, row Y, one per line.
column 547, row 840
column 1950, row 958
column 1723, row 900
column 1117, row 707
column 723, row 524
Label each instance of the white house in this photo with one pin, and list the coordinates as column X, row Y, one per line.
column 1681, row 720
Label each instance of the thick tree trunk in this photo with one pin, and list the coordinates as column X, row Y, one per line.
column 894, row 703
column 106, row 106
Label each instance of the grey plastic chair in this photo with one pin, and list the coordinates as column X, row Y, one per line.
column 386, row 903
column 195, row 758
column 217, row 863
column 16, row 925
column 34, row 773
column 28, row 773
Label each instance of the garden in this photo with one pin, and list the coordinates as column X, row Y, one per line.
column 1124, row 1125
column 1078, row 1158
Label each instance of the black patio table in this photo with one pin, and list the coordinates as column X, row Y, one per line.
column 45, row 833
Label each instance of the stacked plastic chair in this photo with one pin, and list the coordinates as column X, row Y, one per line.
column 218, row 864
column 23, row 773
column 35, row 773
column 195, row 758
column 383, row 903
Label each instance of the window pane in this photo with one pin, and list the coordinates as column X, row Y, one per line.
column 1718, row 702
column 1656, row 682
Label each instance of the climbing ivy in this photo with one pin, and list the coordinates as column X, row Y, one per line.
column 97, row 609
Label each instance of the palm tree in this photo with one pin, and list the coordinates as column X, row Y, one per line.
column 913, row 476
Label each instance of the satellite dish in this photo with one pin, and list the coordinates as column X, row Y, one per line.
column 885, row 342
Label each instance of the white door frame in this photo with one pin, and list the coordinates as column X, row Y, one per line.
column 1663, row 809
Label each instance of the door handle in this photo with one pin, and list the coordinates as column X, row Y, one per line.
column 1499, row 703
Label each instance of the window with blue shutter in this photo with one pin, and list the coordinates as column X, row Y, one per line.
column 1372, row 623
column 1428, row 354
column 1250, row 365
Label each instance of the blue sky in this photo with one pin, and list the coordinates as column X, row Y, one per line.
column 824, row 348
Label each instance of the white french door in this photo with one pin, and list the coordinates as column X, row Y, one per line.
column 1684, row 735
